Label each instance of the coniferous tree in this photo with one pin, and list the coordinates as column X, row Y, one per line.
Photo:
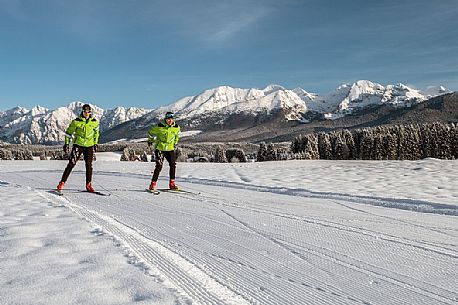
column 303, row 142
column 425, row 140
column 125, row 155
column 399, row 131
column 262, row 152
column 312, row 144
column 434, row 140
column 365, row 144
column 220, row 155
column 357, row 136
column 378, row 149
column 233, row 154
column 390, row 145
column 454, row 136
column 340, row 150
column 271, row 153
column 406, row 142
column 43, row 156
column 349, row 141
column 295, row 145
column 324, row 146
column 409, row 143
column 444, row 141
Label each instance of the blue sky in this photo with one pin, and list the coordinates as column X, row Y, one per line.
column 151, row 53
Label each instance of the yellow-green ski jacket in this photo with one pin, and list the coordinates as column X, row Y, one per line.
column 165, row 136
column 84, row 132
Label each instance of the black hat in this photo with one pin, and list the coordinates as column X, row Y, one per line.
column 87, row 107
column 169, row 115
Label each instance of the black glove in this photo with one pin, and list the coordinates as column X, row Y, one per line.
column 65, row 148
column 96, row 147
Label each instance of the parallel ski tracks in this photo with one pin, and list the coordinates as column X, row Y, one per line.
column 335, row 225
column 184, row 276
column 364, row 268
column 244, row 286
column 423, row 288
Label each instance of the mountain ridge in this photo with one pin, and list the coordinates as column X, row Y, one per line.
column 216, row 109
column 40, row 125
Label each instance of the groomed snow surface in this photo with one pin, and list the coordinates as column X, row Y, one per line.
column 288, row 232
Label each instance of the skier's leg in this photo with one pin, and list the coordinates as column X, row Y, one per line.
column 72, row 159
column 88, row 157
column 171, row 158
column 159, row 162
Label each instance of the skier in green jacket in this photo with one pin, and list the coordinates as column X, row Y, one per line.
column 84, row 130
column 165, row 136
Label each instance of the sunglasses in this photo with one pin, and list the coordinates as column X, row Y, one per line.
column 87, row 111
column 169, row 116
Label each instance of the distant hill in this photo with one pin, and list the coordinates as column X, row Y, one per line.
column 235, row 114
column 362, row 104
column 43, row 126
column 438, row 109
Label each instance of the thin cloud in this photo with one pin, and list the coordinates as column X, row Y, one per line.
column 232, row 28
column 202, row 21
column 210, row 22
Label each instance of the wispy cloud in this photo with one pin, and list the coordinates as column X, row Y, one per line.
column 231, row 28
column 203, row 21
column 210, row 21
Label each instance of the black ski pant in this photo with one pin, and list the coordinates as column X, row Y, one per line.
column 88, row 153
column 170, row 157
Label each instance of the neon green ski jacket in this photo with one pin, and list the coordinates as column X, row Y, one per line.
column 165, row 136
column 83, row 132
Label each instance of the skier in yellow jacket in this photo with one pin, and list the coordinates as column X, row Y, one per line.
column 165, row 135
column 84, row 130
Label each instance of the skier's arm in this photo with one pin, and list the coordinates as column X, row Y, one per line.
column 96, row 134
column 69, row 132
column 177, row 136
column 152, row 135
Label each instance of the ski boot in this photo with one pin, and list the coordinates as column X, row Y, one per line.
column 172, row 185
column 152, row 186
column 60, row 186
column 89, row 187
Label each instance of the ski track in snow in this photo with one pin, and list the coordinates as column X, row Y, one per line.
column 237, row 243
column 399, row 203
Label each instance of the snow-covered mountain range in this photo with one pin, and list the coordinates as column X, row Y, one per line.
column 43, row 126
column 294, row 103
column 214, row 107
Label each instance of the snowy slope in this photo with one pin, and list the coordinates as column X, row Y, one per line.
column 361, row 94
column 432, row 91
column 293, row 232
column 40, row 125
column 228, row 100
column 214, row 107
column 343, row 100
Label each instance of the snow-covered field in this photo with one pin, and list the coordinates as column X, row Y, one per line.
column 289, row 232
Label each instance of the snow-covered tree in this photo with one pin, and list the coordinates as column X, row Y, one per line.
column 220, row 155
column 125, row 154
column 262, row 151
column 233, row 154
column 324, row 146
column 340, row 150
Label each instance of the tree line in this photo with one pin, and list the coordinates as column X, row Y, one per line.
column 387, row 142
